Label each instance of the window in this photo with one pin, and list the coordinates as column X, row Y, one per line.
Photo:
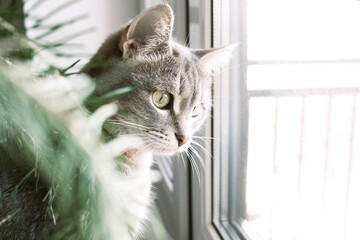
column 286, row 120
column 80, row 25
column 280, row 156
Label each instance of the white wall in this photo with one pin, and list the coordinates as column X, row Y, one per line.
column 104, row 16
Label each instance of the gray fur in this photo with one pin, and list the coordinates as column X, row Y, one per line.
column 141, row 54
column 154, row 62
column 176, row 74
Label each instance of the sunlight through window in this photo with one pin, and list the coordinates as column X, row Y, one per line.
column 303, row 80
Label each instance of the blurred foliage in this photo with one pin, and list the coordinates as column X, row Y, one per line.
column 12, row 12
column 46, row 131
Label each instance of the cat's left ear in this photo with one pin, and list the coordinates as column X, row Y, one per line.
column 149, row 32
column 214, row 58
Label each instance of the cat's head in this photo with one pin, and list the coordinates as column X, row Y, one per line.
column 172, row 95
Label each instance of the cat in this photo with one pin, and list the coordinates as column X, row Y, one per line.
column 170, row 100
column 172, row 95
column 173, row 86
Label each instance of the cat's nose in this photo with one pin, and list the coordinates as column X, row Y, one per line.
column 181, row 139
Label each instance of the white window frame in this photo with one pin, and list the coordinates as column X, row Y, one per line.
column 202, row 189
column 229, row 176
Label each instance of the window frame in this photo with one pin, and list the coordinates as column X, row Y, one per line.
column 207, row 194
column 202, row 187
column 230, row 160
column 231, row 82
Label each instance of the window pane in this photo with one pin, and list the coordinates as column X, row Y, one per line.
column 302, row 164
column 295, row 93
column 303, row 182
column 303, row 29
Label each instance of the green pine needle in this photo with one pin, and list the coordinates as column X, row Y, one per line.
column 93, row 102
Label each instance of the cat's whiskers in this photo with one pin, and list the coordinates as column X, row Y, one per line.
column 140, row 143
column 129, row 124
column 193, row 165
column 125, row 125
column 201, row 160
column 204, row 138
column 168, row 158
column 135, row 124
column 203, row 148
column 161, row 135
column 133, row 135
column 182, row 158
column 147, row 131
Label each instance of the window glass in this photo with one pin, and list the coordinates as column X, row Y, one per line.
column 287, row 120
column 306, row 29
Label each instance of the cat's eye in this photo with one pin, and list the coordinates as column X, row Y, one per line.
column 197, row 110
column 161, row 99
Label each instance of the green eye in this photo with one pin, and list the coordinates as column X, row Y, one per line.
column 161, row 99
column 196, row 110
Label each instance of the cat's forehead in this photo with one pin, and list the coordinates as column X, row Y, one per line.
column 179, row 73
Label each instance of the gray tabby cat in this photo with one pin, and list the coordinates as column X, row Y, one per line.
column 173, row 87
column 171, row 99
column 173, row 83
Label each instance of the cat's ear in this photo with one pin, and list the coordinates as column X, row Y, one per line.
column 213, row 58
column 149, row 32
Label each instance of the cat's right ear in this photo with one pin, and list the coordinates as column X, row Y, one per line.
column 149, row 33
column 213, row 58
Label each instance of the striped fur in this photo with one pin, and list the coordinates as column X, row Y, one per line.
column 142, row 54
